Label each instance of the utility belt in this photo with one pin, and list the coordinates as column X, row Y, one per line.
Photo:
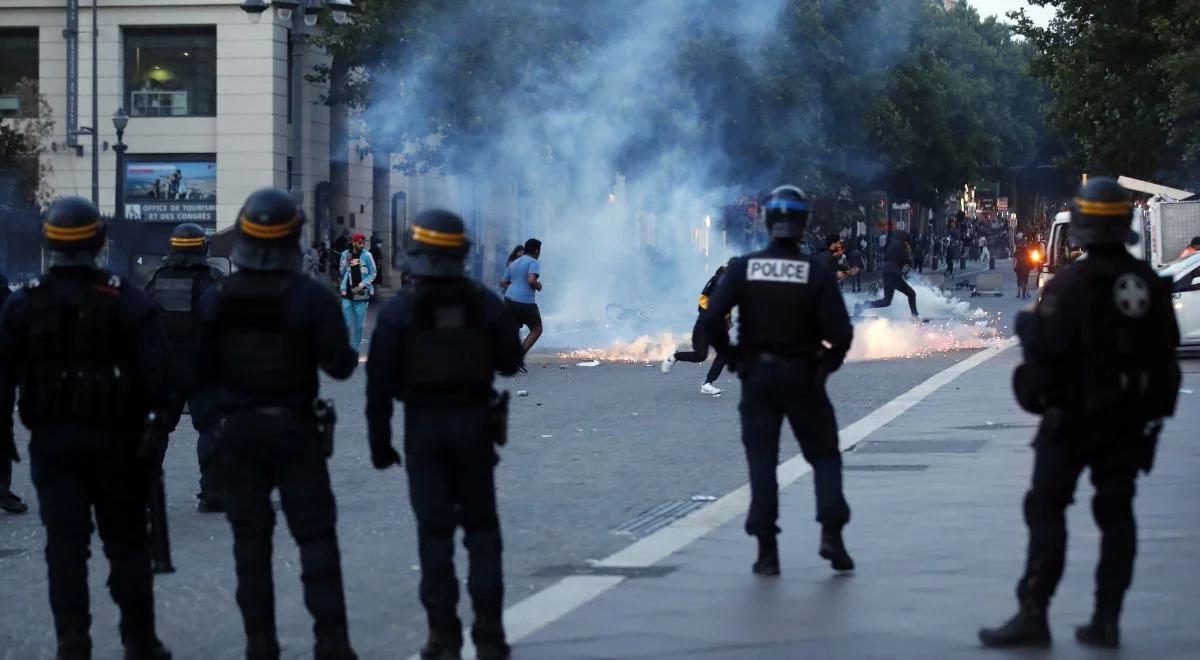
column 321, row 414
column 448, row 396
column 802, row 361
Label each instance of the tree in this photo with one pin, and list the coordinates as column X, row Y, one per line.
column 23, row 144
column 1122, row 74
column 959, row 106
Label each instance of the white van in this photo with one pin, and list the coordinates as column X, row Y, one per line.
column 1059, row 252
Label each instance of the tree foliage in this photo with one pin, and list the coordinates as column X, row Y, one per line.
column 1124, row 79
column 860, row 94
column 23, row 142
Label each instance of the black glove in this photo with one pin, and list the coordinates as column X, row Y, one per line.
column 383, row 454
column 735, row 360
column 1150, row 435
column 153, row 446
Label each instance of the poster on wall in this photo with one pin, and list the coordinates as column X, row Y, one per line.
column 171, row 189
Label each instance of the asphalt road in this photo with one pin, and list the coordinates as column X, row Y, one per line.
column 590, row 450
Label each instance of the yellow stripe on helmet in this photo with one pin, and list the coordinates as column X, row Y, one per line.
column 266, row 232
column 70, row 233
column 187, row 242
column 438, row 238
column 1102, row 208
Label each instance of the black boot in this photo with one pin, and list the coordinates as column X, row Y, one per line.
column 261, row 641
column 768, row 556
column 489, row 638
column 137, row 633
column 442, row 646
column 833, row 549
column 333, row 643
column 146, row 649
column 1028, row 627
column 1102, row 632
column 74, row 637
column 11, row 503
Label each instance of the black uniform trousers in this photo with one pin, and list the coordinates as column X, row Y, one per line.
column 77, row 472
column 451, row 465
column 699, row 352
column 271, row 448
column 1056, row 469
column 774, row 389
column 893, row 282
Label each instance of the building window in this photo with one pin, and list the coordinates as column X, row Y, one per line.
column 18, row 72
column 171, row 72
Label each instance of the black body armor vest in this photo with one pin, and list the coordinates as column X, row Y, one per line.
column 447, row 348
column 259, row 352
column 79, row 366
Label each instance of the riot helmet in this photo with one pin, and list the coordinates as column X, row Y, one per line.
column 785, row 212
column 74, row 232
column 437, row 245
column 268, row 232
column 189, row 238
column 1101, row 214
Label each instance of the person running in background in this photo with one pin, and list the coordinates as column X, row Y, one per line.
column 699, row 352
column 512, row 256
column 896, row 259
column 520, row 283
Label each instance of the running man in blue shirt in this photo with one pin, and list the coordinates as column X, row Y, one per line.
column 520, row 284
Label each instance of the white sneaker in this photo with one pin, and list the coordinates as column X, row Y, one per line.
column 709, row 388
column 668, row 363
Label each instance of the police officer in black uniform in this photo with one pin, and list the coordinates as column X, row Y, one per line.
column 794, row 332
column 9, row 501
column 178, row 286
column 1100, row 369
column 87, row 354
column 264, row 333
column 436, row 347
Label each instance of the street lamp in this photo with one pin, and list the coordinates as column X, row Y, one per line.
column 254, row 9
column 120, row 120
column 311, row 12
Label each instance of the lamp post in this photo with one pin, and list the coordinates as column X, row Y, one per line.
column 120, row 120
column 298, row 14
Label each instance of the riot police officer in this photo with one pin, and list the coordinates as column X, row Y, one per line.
column 1100, row 368
column 178, row 286
column 87, row 354
column 794, row 332
column 436, row 347
column 264, row 333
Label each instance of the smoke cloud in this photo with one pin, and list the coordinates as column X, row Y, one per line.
column 623, row 151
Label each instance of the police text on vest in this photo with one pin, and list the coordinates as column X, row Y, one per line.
column 777, row 270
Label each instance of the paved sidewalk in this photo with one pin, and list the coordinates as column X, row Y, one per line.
column 939, row 540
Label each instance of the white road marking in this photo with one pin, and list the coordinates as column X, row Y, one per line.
column 552, row 603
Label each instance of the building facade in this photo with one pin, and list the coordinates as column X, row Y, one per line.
column 208, row 96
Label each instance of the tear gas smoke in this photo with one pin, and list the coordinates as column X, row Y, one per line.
column 880, row 334
column 609, row 154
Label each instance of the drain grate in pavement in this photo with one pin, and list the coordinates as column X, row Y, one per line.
column 656, row 518
column 919, row 446
column 996, row 427
column 884, row 468
column 568, row 570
